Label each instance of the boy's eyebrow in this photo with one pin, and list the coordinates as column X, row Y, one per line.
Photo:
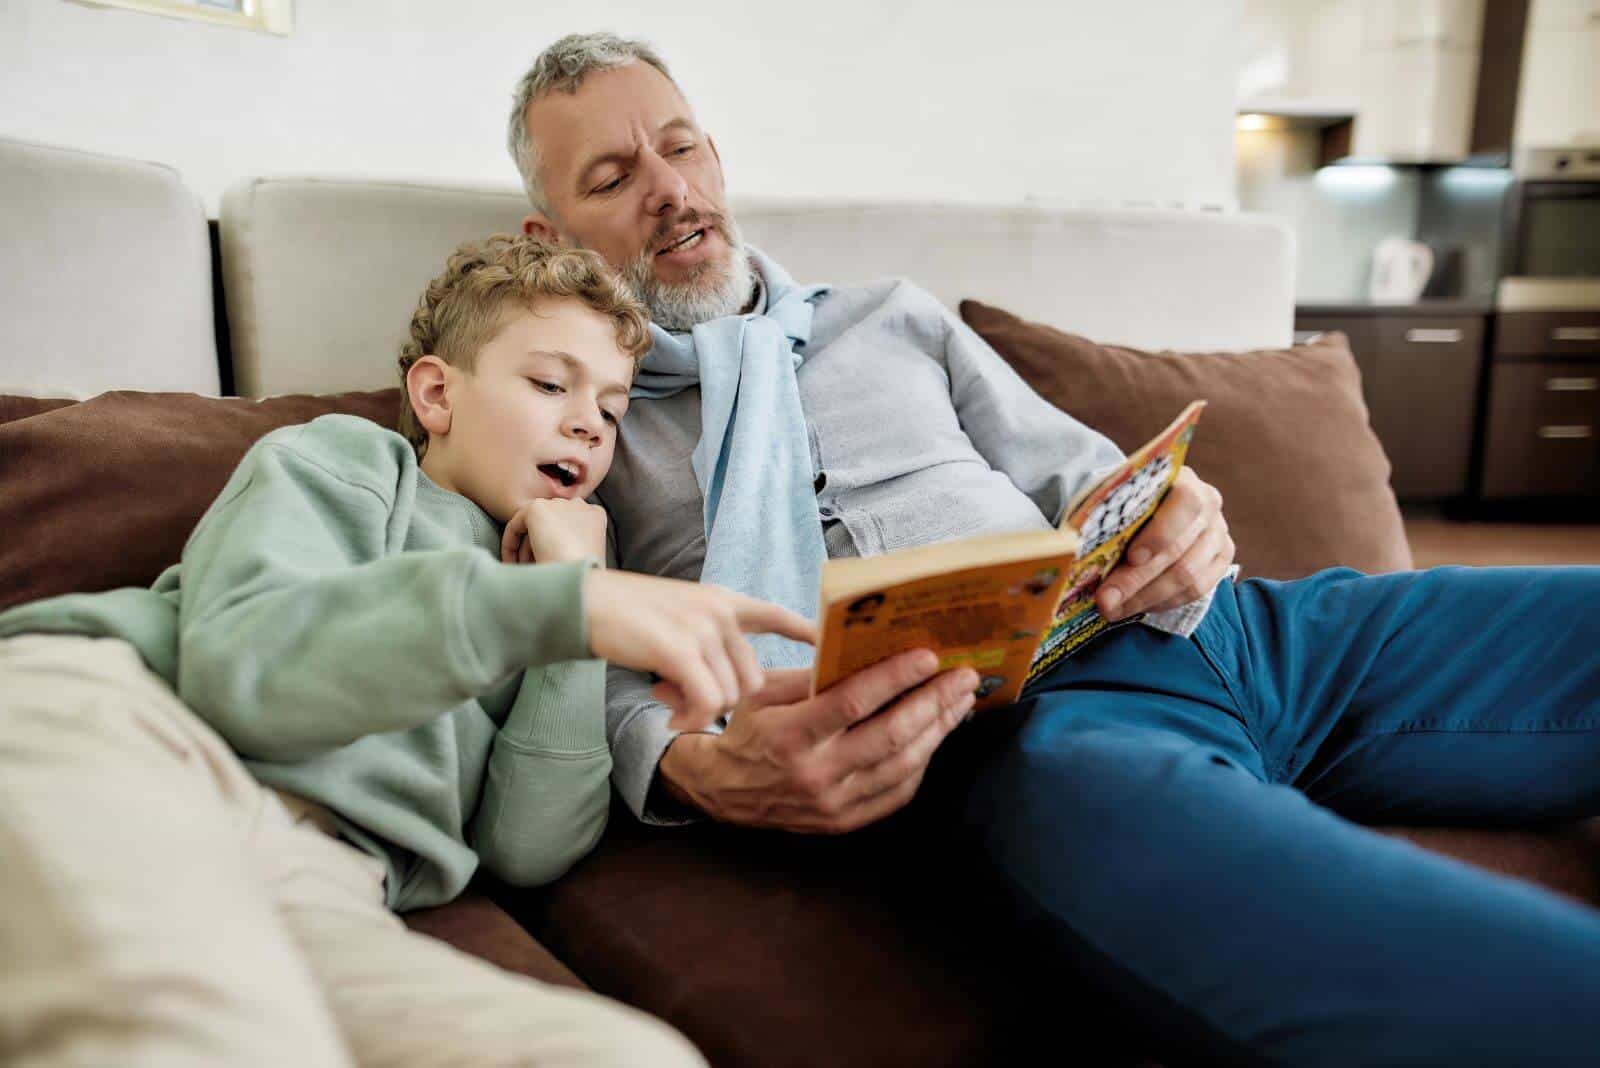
column 576, row 364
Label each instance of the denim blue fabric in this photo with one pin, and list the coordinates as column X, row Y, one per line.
column 1180, row 818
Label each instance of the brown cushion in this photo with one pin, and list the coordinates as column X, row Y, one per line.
column 103, row 493
column 12, row 408
column 774, row 951
column 474, row 924
column 1565, row 858
column 1285, row 436
column 781, row 951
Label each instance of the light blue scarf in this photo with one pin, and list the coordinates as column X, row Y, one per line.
column 753, row 460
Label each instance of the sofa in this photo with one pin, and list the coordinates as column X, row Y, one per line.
column 876, row 948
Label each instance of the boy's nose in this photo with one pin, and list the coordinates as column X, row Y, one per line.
column 581, row 425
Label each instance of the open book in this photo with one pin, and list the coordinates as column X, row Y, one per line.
column 1010, row 606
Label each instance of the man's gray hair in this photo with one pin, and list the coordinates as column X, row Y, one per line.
column 562, row 68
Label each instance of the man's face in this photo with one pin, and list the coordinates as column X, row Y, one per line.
column 629, row 173
column 537, row 415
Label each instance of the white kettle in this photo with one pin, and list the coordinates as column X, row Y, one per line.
column 1400, row 270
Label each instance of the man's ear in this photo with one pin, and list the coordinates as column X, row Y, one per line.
column 539, row 225
column 427, row 384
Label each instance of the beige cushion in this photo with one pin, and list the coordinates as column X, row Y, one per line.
column 322, row 274
column 1285, row 436
column 105, row 276
column 1219, row 281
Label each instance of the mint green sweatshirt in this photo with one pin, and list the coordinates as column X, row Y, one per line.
column 349, row 628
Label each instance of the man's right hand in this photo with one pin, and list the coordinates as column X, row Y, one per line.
column 827, row 764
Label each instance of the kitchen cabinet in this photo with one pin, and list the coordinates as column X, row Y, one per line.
column 1558, row 99
column 1419, row 65
column 1426, row 81
column 1542, row 435
column 1420, row 371
column 1296, row 57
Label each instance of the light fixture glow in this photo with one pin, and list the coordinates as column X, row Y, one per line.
column 1355, row 178
column 1475, row 179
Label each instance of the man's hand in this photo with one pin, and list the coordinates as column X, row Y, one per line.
column 550, row 530
column 822, row 765
column 1182, row 552
column 691, row 635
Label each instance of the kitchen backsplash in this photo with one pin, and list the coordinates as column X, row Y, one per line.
column 1339, row 214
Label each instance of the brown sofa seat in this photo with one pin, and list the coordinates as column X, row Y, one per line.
column 787, row 951
column 474, row 924
column 773, row 950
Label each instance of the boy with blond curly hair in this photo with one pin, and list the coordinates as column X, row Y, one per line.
column 378, row 666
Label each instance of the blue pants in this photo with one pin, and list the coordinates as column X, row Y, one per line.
column 1178, row 818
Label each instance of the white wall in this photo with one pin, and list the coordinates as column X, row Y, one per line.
column 1065, row 101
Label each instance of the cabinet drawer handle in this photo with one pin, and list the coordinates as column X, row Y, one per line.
column 1420, row 335
column 1575, row 333
column 1572, row 385
column 1566, row 432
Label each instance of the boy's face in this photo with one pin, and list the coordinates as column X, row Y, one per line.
column 537, row 416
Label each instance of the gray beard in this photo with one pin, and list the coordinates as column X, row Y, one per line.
column 714, row 291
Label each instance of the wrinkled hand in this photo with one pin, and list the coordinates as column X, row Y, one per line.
column 1182, row 552
column 827, row 764
column 691, row 635
column 550, row 530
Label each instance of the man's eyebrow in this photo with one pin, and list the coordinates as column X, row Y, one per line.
column 572, row 362
column 620, row 156
column 679, row 123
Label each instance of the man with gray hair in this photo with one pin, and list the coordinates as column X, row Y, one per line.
column 1172, row 806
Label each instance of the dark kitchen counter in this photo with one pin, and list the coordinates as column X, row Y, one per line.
column 1421, row 308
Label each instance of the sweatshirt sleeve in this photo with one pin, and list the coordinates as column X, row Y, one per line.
column 1046, row 452
column 302, row 626
column 638, row 729
column 547, row 791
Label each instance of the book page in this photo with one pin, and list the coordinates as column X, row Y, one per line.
column 1106, row 517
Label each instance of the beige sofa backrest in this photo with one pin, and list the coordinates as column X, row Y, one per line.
column 322, row 275
column 105, row 276
column 1147, row 278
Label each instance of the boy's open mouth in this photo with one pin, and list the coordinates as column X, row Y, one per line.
column 563, row 473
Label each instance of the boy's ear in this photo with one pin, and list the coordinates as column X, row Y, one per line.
column 539, row 225
column 427, row 386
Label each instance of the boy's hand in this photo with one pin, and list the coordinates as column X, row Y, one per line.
column 552, row 530
column 692, row 636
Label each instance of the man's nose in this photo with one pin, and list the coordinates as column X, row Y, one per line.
column 665, row 189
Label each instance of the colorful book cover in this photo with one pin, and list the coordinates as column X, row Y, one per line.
column 1107, row 517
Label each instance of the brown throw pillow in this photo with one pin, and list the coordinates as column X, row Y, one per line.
column 103, row 493
column 13, row 408
column 1285, row 436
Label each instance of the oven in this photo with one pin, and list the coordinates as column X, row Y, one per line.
column 1552, row 232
